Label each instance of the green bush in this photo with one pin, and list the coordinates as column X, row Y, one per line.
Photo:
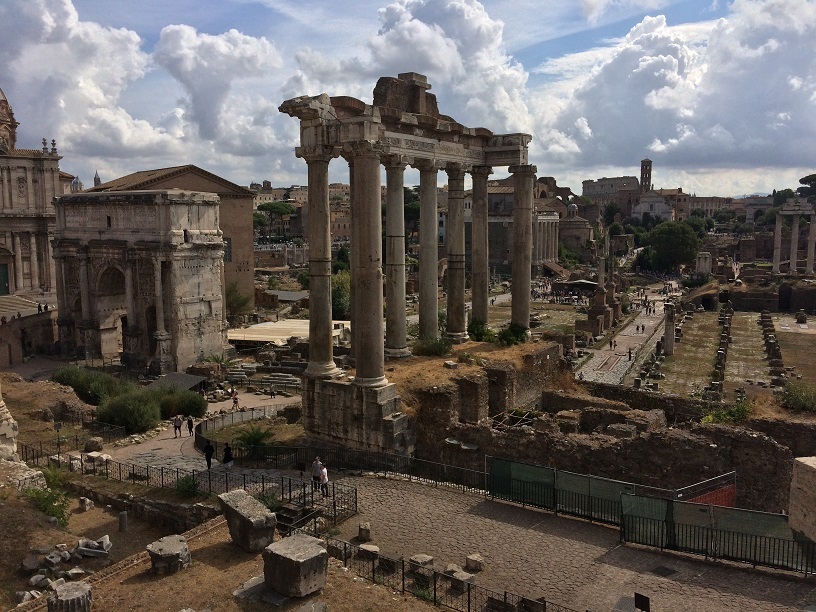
column 253, row 439
column 730, row 414
column 172, row 402
column 187, row 486
column 512, row 334
column 481, row 332
column 136, row 412
column 270, row 500
column 52, row 502
column 799, row 396
column 434, row 347
column 91, row 386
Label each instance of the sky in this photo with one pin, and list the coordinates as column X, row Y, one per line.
column 721, row 96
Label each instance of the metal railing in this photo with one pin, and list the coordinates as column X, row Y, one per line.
column 430, row 585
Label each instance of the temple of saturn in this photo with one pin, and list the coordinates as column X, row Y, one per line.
column 795, row 208
column 139, row 274
column 402, row 128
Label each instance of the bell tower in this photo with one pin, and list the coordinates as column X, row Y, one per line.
column 645, row 175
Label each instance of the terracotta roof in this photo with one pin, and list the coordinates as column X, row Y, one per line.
column 498, row 189
column 65, row 175
column 145, row 179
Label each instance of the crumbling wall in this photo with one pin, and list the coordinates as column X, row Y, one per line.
column 677, row 409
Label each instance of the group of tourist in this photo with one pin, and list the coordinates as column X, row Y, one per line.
column 320, row 477
column 177, row 423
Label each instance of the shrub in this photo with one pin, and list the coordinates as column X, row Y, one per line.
column 252, row 439
column 91, row 386
column 512, row 334
column 52, row 502
column 799, row 396
column 187, row 486
column 172, row 402
column 192, row 404
column 270, row 500
column 435, row 347
column 136, row 412
column 480, row 332
column 737, row 413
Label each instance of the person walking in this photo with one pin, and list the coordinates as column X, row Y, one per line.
column 316, row 472
column 177, row 426
column 209, row 451
column 228, row 458
column 189, row 425
column 324, row 480
column 234, row 399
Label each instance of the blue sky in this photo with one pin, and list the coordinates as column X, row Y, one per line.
column 720, row 95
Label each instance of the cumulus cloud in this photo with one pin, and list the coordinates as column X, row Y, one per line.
column 594, row 10
column 206, row 66
column 741, row 96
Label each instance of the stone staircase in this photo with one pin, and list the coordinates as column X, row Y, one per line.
column 10, row 305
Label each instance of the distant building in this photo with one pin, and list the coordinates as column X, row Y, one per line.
column 29, row 181
column 605, row 190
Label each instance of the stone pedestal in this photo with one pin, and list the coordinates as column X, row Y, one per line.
column 70, row 597
column 169, row 554
column 802, row 503
column 251, row 524
column 295, row 566
column 163, row 360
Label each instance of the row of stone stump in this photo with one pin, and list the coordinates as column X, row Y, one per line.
column 772, row 351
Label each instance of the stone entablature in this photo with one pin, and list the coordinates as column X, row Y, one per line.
column 141, row 270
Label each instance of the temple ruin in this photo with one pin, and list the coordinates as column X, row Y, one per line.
column 402, row 128
column 795, row 208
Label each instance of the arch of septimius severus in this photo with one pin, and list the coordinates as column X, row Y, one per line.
column 402, row 128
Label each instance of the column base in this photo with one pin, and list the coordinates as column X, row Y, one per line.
column 379, row 381
column 398, row 353
column 457, row 337
column 318, row 369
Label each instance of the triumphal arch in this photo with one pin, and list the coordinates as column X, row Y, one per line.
column 403, row 127
column 139, row 277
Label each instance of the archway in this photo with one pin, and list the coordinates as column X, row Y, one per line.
column 785, row 295
column 111, row 307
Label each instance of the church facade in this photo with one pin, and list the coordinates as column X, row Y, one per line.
column 29, row 181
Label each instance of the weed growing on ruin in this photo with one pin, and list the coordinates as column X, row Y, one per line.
column 480, row 332
column 512, row 334
column 434, row 347
column 799, row 396
column 273, row 502
column 737, row 413
column 52, row 502
column 188, row 486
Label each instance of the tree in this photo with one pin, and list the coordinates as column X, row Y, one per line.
column 236, row 302
column 341, row 295
column 276, row 209
column 616, row 229
column 808, row 189
column 698, row 212
column 609, row 213
column 781, row 196
column 259, row 221
column 341, row 262
column 673, row 243
column 697, row 223
column 303, row 279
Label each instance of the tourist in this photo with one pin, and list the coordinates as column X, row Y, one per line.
column 272, row 391
column 39, row 307
column 190, row 425
column 45, row 307
column 209, row 451
column 630, row 353
column 227, row 460
column 234, row 400
column 610, row 344
column 324, row 480
column 316, row 471
column 177, row 426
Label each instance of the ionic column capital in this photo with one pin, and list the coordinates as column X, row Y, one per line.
column 315, row 153
column 365, row 148
column 528, row 169
column 396, row 161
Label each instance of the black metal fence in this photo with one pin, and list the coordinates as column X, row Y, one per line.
column 734, row 534
column 65, row 442
column 320, row 512
column 434, row 587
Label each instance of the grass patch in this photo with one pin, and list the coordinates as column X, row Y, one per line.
column 736, row 413
column 433, row 347
column 799, row 397
column 512, row 334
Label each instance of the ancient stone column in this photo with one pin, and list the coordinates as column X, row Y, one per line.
column 478, row 242
column 396, row 344
column 18, row 263
column 352, row 257
column 794, row 246
column 457, row 320
column 523, row 182
column 668, row 330
column 35, row 265
column 811, row 245
column 777, row 252
column 368, row 296
column 157, row 284
column 428, row 254
column 321, row 347
column 50, row 265
column 84, row 288
column 70, row 597
column 130, row 304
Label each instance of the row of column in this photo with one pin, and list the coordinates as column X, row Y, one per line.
column 35, row 283
column 368, row 344
column 546, row 242
column 794, row 244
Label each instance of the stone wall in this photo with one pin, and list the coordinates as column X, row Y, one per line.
column 799, row 437
column 36, row 331
column 803, row 497
column 676, row 408
column 176, row 518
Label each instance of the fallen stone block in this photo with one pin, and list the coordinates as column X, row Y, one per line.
column 70, row 597
column 460, row 580
column 451, row 569
column 30, row 563
column 169, row 554
column 85, row 504
column 474, row 563
column 295, row 566
column 369, row 551
column 53, row 559
column 419, row 561
column 364, row 532
column 251, row 524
